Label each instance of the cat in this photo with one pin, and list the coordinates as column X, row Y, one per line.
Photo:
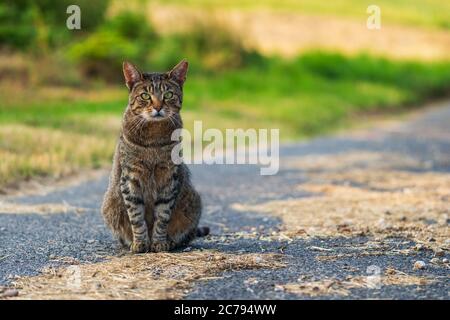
column 150, row 203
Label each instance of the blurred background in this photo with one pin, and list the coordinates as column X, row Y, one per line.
column 307, row 67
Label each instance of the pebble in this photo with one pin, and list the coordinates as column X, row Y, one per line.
column 90, row 241
column 445, row 260
column 435, row 261
column 259, row 260
column 419, row 265
column 439, row 252
column 278, row 288
column 10, row 293
column 418, row 247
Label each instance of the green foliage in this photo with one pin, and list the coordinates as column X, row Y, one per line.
column 315, row 92
column 15, row 30
column 28, row 23
column 206, row 47
column 126, row 36
column 311, row 94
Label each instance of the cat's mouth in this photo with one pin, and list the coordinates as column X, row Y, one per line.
column 155, row 115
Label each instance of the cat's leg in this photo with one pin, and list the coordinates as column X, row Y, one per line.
column 134, row 203
column 164, row 206
column 183, row 226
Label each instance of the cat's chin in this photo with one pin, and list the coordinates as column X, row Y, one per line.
column 156, row 118
column 150, row 118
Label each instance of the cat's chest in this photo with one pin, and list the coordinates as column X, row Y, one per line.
column 156, row 177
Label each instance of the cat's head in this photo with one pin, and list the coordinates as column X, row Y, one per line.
column 155, row 96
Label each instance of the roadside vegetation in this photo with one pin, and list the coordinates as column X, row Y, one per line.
column 62, row 95
column 432, row 14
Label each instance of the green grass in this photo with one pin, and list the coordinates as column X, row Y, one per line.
column 423, row 13
column 313, row 94
column 305, row 96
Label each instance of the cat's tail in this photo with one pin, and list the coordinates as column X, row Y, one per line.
column 202, row 231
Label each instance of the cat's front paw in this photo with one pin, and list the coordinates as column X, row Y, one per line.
column 160, row 246
column 140, row 247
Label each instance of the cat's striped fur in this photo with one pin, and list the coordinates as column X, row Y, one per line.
column 150, row 204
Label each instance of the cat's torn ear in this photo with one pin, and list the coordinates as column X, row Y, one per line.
column 179, row 71
column 131, row 73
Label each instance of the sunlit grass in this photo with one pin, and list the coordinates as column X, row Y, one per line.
column 48, row 131
column 418, row 13
column 27, row 152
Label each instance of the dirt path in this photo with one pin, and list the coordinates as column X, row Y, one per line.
column 347, row 216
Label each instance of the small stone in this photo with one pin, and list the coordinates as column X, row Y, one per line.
column 259, row 260
column 8, row 293
column 278, row 288
column 90, row 241
column 445, row 260
column 418, row 247
column 419, row 265
column 251, row 281
column 52, row 256
column 432, row 239
column 435, row 261
column 382, row 224
column 439, row 252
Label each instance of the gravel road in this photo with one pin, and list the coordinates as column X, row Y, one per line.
column 66, row 222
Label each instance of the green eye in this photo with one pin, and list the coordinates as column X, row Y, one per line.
column 145, row 96
column 168, row 94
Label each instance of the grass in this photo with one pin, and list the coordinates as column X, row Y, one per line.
column 430, row 13
column 347, row 199
column 145, row 276
column 59, row 131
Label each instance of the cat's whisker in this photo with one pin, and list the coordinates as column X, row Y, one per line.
column 177, row 121
column 170, row 118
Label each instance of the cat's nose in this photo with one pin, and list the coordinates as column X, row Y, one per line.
column 157, row 104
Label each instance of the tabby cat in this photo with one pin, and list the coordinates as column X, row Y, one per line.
column 150, row 204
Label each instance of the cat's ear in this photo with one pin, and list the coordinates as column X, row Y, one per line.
column 131, row 74
column 179, row 72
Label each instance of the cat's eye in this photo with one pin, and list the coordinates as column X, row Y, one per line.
column 168, row 94
column 145, row 96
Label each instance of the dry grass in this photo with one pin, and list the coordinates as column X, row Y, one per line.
column 28, row 151
column 147, row 276
column 43, row 208
column 342, row 287
column 347, row 201
column 289, row 34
